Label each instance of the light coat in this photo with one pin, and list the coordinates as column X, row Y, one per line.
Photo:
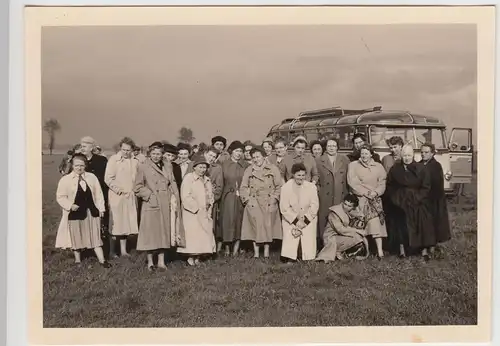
column 339, row 235
column 197, row 203
column 159, row 228
column 65, row 197
column 363, row 178
column 120, row 177
column 332, row 186
column 260, row 194
column 296, row 202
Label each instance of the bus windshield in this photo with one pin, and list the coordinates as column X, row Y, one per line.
column 379, row 135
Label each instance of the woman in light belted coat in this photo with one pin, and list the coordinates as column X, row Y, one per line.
column 197, row 203
column 299, row 206
column 120, row 178
column 367, row 180
column 260, row 194
column 155, row 185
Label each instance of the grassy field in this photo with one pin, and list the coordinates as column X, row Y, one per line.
column 244, row 292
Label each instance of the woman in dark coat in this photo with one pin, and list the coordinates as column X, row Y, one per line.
column 439, row 205
column 408, row 187
column 231, row 207
column 332, row 183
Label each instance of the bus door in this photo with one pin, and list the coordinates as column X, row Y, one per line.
column 461, row 155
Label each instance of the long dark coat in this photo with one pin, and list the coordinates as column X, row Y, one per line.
column 176, row 169
column 409, row 189
column 439, row 206
column 231, row 208
column 332, row 186
column 97, row 166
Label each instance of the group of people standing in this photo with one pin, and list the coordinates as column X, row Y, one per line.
column 221, row 197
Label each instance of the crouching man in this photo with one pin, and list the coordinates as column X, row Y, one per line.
column 344, row 234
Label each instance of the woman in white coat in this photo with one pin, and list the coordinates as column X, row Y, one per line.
column 80, row 196
column 197, row 203
column 121, row 171
column 299, row 206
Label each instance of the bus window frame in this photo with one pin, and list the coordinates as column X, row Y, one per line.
column 354, row 127
column 313, row 130
column 414, row 134
column 443, row 137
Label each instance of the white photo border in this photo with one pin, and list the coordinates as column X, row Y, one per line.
column 17, row 307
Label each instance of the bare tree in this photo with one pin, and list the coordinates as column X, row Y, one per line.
column 51, row 126
column 186, row 135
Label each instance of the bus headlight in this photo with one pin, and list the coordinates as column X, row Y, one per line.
column 448, row 175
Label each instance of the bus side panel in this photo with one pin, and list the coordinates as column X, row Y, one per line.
column 444, row 160
column 461, row 167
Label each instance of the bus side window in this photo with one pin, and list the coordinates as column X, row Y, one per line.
column 292, row 135
column 311, row 135
column 345, row 137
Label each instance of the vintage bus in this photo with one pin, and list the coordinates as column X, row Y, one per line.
column 455, row 154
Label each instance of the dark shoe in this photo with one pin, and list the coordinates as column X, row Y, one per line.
column 105, row 264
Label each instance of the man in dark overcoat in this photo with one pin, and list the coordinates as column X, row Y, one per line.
column 439, row 205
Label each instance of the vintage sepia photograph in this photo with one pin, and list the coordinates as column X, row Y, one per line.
column 239, row 175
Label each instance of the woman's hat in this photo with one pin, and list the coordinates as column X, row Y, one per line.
column 156, row 144
column 235, row 145
column 170, row 148
column 219, row 139
column 298, row 138
column 184, row 146
column 200, row 160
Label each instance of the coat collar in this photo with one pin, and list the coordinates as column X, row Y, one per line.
column 119, row 157
column 371, row 163
column 204, row 179
column 155, row 167
column 240, row 162
column 260, row 173
column 432, row 160
column 340, row 212
column 325, row 161
column 73, row 175
column 183, row 163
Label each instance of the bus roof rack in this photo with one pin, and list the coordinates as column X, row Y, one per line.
column 337, row 111
column 328, row 112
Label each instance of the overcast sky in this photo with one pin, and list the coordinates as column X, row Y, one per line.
column 147, row 82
